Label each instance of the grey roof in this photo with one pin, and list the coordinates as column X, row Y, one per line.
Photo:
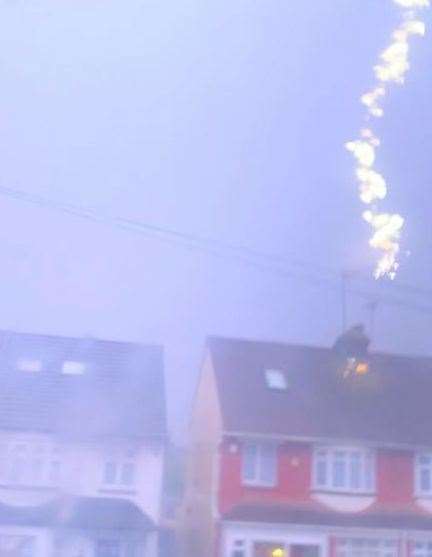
column 317, row 515
column 121, row 392
column 94, row 513
column 388, row 405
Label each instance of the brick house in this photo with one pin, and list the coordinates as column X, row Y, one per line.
column 82, row 438
column 309, row 452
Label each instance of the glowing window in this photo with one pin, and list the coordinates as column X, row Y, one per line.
column 276, row 380
column 26, row 364
column 71, row 367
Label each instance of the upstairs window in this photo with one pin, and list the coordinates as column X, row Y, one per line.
column 343, row 469
column 119, row 471
column 108, row 548
column 32, row 465
column 259, row 464
column 423, row 474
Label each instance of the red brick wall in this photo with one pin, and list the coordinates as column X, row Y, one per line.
column 294, row 476
column 395, row 477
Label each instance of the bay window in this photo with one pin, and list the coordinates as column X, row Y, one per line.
column 343, row 469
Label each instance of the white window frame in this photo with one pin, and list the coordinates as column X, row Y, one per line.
column 32, row 455
column 257, row 480
column 419, row 491
column 424, row 551
column 361, row 547
column 328, row 454
column 121, row 462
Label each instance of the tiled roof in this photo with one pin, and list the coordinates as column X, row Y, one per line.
column 94, row 513
column 120, row 392
column 390, row 404
column 316, row 515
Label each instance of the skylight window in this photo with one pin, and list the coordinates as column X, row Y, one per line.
column 72, row 367
column 275, row 379
column 30, row 365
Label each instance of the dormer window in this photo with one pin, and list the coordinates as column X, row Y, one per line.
column 29, row 364
column 344, row 469
column 72, row 367
column 276, row 379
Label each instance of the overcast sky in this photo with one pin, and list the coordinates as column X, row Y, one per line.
column 223, row 119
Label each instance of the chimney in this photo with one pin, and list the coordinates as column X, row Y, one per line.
column 353, row 344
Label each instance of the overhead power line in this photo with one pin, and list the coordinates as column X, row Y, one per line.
column 290, row 267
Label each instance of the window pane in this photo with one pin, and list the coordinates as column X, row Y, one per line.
column 110, row 473
column 108, row 548
column 37, row 470
column 355, row 471
column 425, row 479
column 249, row 462
column 268, row 464
column 321, row 473
column 54, row 472
column 128, row 473
column 339, row 470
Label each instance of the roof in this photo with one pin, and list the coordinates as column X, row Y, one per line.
column 314, row 515
column 94, row 513
column 120, row 392
column 391, row 404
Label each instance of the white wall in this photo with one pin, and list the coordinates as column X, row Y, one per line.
column 82, row 466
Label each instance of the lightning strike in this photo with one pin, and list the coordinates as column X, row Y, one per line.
column 391, row 68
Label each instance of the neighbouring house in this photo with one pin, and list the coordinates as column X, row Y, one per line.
column 82, row 440
column 309, row 452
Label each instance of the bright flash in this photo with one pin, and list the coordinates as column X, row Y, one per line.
column 392, row 67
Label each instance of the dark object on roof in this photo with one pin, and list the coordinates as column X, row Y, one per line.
column 319, row 405
column 353, row 343
column 118, row 392
column 93, row 513
column 288, row 514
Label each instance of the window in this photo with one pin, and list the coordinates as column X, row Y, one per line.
column 119, row 471
column 32, row 465
column 344, row 469
column 18, row 546
column 361, row 547
column 276, row 380
column 71, row 367
column 108, row 548
column 259, row 464
column 238, row 549
column 422, row 549
column 423, row 474
column 29, row 365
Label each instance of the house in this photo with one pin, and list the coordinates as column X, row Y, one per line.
column 82, row 438
column 305, row 451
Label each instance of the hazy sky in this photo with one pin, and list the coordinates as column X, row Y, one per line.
column 224, row 119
